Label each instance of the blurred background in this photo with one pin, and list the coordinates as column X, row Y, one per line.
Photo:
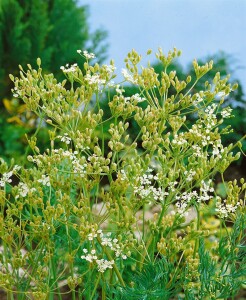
column 55, row 29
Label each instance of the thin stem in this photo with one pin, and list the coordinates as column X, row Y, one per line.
column 55, row 281
column 34, row 135
column 95, row 287
column 70, row 251
column 115, row 268
column 197, row 228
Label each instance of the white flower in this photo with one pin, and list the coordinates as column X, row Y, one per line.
column 89, row 257
column 172, row 186
column 111, row 84
column 224, row 209
column 138, row 98
column 6, row 178
column 119, row 89
column 24, row 190
column 122, row 175
column 45, row 180
column 198, row 99
column 179, row 140
column 104, row 264
column 189, row 175
column 226, row 112
column 107, row 242
column 79, row 51
column 197, row 151
column 128, row 76
column 70, row 69
column 16, row 168
column 92, row 235
column 217, row 149
column 222, row 94
column 145, row 189
column 205, row 189
column 65, row 138
column 109, row 68
column 183, row 202
column 88, row 55
column 95, row 79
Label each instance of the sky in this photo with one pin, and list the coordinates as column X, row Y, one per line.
column 197, row 27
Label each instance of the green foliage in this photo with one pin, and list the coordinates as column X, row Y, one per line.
column 154, row 281
column 36, row 28
column 12, row 144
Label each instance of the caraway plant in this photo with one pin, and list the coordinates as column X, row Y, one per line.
column 108, row 212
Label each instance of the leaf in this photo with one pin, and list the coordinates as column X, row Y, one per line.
column 221, row 189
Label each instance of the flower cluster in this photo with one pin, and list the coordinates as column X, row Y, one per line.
column 189, row 175
column 138, row 98
column 217, row 148
column 179, row 140
column 128, row 76
column 65, row 138
column 45, row 180
column 16, row 92
column 184, row 200
column 210, row 118
column 102, row 264
column 109, row 69
column 104, row 241
column 77, row 164
column 6, row 178
column 135, row 98
column 23, row 190
column 226, row 112
column 143, row 186
column 86, row 54
column 225, row 209
column 94, row 79
column 73, row 68
column 205, row 189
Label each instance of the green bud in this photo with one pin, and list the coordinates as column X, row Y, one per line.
column 188, row 79
column 38, row 62
column 11, row 77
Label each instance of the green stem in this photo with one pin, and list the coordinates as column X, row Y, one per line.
column 149, row 242
column 95, row 287
column 10, row 295
column 55, row 281
column 70, row 251
column 197, row 228
column 110, row 258
column 34, row 135
column 103, row 294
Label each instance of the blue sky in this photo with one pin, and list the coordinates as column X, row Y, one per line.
column 198, row 28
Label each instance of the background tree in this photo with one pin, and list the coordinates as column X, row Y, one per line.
column 52, row 30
